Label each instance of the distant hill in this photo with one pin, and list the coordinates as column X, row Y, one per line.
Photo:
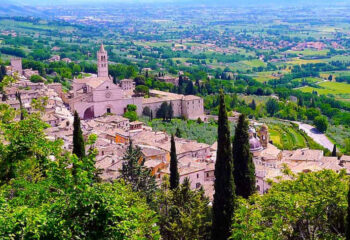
column 19, row 10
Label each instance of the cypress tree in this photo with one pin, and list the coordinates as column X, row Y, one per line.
column 174, row 174
column 253, row 105
column 334, row 152
column 78, row 140
column 189, row 88
column 244, row 171
column 348, row 218
column 19, row 98
column 224, row 197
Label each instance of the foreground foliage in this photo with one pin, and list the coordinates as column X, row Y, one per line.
column 183, row 213
column 40, row 197
column 310, row 206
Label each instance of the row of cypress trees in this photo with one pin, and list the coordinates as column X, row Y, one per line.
column 234, row 172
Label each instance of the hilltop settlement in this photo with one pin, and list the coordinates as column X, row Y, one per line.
column 101, row 104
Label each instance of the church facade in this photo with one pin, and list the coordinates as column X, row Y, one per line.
column 95, row 96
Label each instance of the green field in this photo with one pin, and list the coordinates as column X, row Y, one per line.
column 334, row 88
column 255, row 63
column 249, row 98
column 307, row 79
column 298, row 61
column 310, row 52
column 287, row 136
column 325, row 75
column 262, row 76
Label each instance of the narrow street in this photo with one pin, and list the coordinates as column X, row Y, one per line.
column 317, row 136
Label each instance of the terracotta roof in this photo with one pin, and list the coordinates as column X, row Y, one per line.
column 149, row 151
column 92, row 81
column 191, row 97
column 345, row 158
column 152, row 163
column 303, row 155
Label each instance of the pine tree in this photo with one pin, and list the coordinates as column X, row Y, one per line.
column 174, row 173
column 224, row 197
column 136, row 174
column 334, row 152
column 183, row 213
column 78, row 140
column 244, row 171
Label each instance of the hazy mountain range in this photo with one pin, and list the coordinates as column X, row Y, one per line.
column 37, row 7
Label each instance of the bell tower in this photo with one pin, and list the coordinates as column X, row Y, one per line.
column 264, row 135
column 102, row 62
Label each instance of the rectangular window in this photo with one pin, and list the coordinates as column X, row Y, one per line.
column 108, row 110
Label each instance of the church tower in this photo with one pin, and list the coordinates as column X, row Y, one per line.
column 264, row 135
column 102, row 62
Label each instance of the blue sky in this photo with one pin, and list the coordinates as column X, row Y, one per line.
column 277, row 2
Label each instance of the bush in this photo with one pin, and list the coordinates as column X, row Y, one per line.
column 321, row 123
column 141, row 90
column 36, row 79
column 131, row 108
column 131, row 115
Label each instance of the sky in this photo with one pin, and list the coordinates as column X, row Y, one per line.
column 230, row 2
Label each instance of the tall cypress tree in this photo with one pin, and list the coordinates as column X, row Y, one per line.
column 19, row 98
column 348, row 218
column 224, row 197
column 244, row 171
column 78, row 140
column 334, row 152
column 174, row 173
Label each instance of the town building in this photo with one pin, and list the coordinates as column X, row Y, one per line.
column 95, row 96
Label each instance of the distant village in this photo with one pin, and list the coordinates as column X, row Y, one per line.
column 101, row 104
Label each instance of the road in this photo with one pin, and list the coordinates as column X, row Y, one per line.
column 317, row 136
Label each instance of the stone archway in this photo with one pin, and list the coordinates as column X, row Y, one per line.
column 89, row 113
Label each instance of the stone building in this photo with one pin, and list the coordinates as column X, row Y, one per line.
column 189, row 106
column 169, row 79
column 94, row 96
column 16, row 65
